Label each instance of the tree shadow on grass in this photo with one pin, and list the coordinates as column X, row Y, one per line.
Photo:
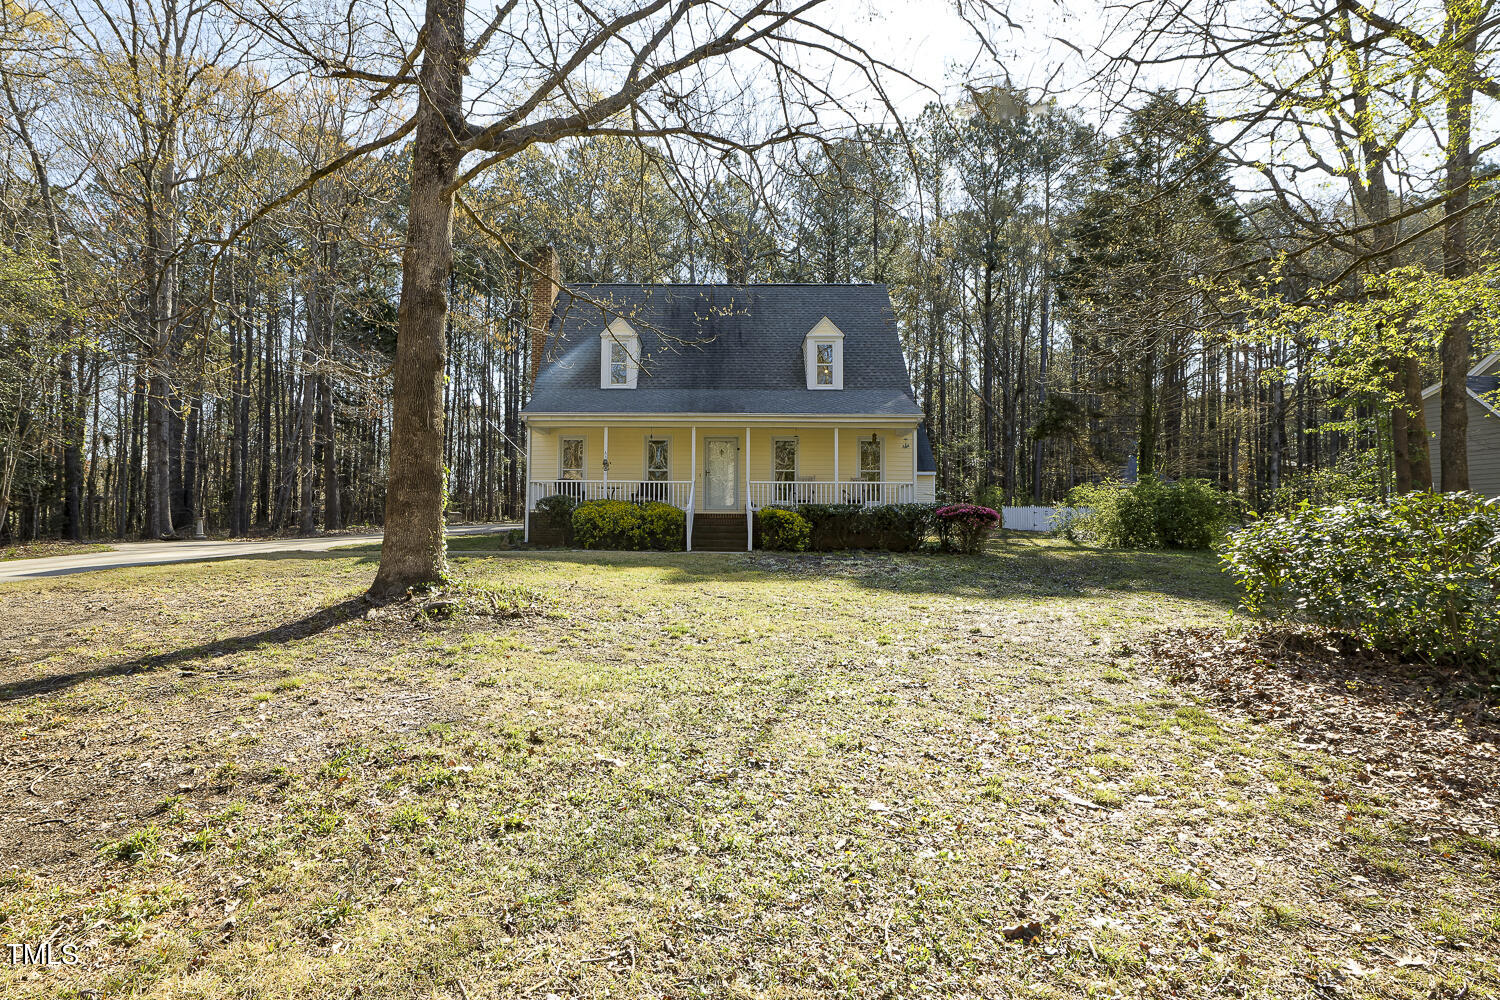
column 1012, row 568
column 302, row 628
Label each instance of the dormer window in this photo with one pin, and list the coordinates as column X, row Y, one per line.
column 619, row 356
column 823, row 354
column 619, row 364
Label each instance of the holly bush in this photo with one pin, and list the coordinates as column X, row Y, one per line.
column 1418, row 574
column 619, row 524
column 783, row 530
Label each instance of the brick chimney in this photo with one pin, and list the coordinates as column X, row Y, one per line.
column 546, row 279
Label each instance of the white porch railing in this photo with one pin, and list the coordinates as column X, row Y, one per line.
column 677, row 492
column 790, row 494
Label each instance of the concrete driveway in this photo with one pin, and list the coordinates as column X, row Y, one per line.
column 152, row 553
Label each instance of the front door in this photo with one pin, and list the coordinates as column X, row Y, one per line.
column 721, row 474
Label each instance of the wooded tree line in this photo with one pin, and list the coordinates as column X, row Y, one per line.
column 1164, row 291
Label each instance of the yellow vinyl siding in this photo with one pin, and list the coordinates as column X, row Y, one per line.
column 627, row 450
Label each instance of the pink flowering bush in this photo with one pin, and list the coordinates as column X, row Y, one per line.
column 966, row 526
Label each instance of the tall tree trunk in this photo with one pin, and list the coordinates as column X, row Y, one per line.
column 1146, row 443
column 413, row 552
column 270, row 339
column 1460, row 29
column 333, row 518
column 306, row 513
column 162, row 284
column 1041, row 384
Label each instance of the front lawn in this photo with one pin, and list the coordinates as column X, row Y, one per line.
column 686, row 775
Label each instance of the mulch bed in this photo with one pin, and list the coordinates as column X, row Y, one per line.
column 1427, row 737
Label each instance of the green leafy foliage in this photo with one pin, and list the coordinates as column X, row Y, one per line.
column 831, row 524
column 664, row 527
column 898, row 527
column 618, row 524
column 555, row 513
column 1356, row 479
column 1405, row 314
column 783, row 530
column 1150, row 514
column 1418, row 574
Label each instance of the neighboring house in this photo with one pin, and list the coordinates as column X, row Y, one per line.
column 721, row 400
column 1484, row 427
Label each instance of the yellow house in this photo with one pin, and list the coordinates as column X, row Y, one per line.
column 721, row 400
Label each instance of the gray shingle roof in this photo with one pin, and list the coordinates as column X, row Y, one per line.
column 1487, row 388
column 724, row 349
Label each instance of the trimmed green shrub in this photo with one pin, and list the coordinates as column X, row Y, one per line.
column 1418, row 574
column 555, row 513
column 831, row 525
column 898, row 527
column 966, row 526
column 1150, row 514
column 607, row 524
column 783, row 530
column 620, row 524
column 663, row 526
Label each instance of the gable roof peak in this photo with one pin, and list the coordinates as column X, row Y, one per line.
column 824, row 327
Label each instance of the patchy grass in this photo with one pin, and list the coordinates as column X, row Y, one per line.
column 42, row 550
column 686, row 775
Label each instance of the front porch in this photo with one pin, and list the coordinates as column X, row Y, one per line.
column 719, row 469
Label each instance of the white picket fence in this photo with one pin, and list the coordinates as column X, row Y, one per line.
column 1038, row 518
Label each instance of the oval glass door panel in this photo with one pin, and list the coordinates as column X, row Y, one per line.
column 721, row 477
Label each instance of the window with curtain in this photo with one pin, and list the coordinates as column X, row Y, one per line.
column 658, row 460
column 572, row 458
column 869, row 460
column 784, row 460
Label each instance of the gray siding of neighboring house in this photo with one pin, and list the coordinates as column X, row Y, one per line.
column 1484, row 446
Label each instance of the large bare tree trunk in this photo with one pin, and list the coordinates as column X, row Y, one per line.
column 332, row 503
column 1454, row 448
column 413, row 553
column 162, row 282
column 306, row 512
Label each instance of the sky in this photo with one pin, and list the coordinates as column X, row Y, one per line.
column 931, row 41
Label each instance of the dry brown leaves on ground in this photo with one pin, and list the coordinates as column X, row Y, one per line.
column 1428, row 737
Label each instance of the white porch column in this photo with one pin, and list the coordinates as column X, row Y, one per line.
column 913, row 497
column 835, row 464
column 526, row 491
column 749, row 514
column 692, row 482
column 605, row 465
